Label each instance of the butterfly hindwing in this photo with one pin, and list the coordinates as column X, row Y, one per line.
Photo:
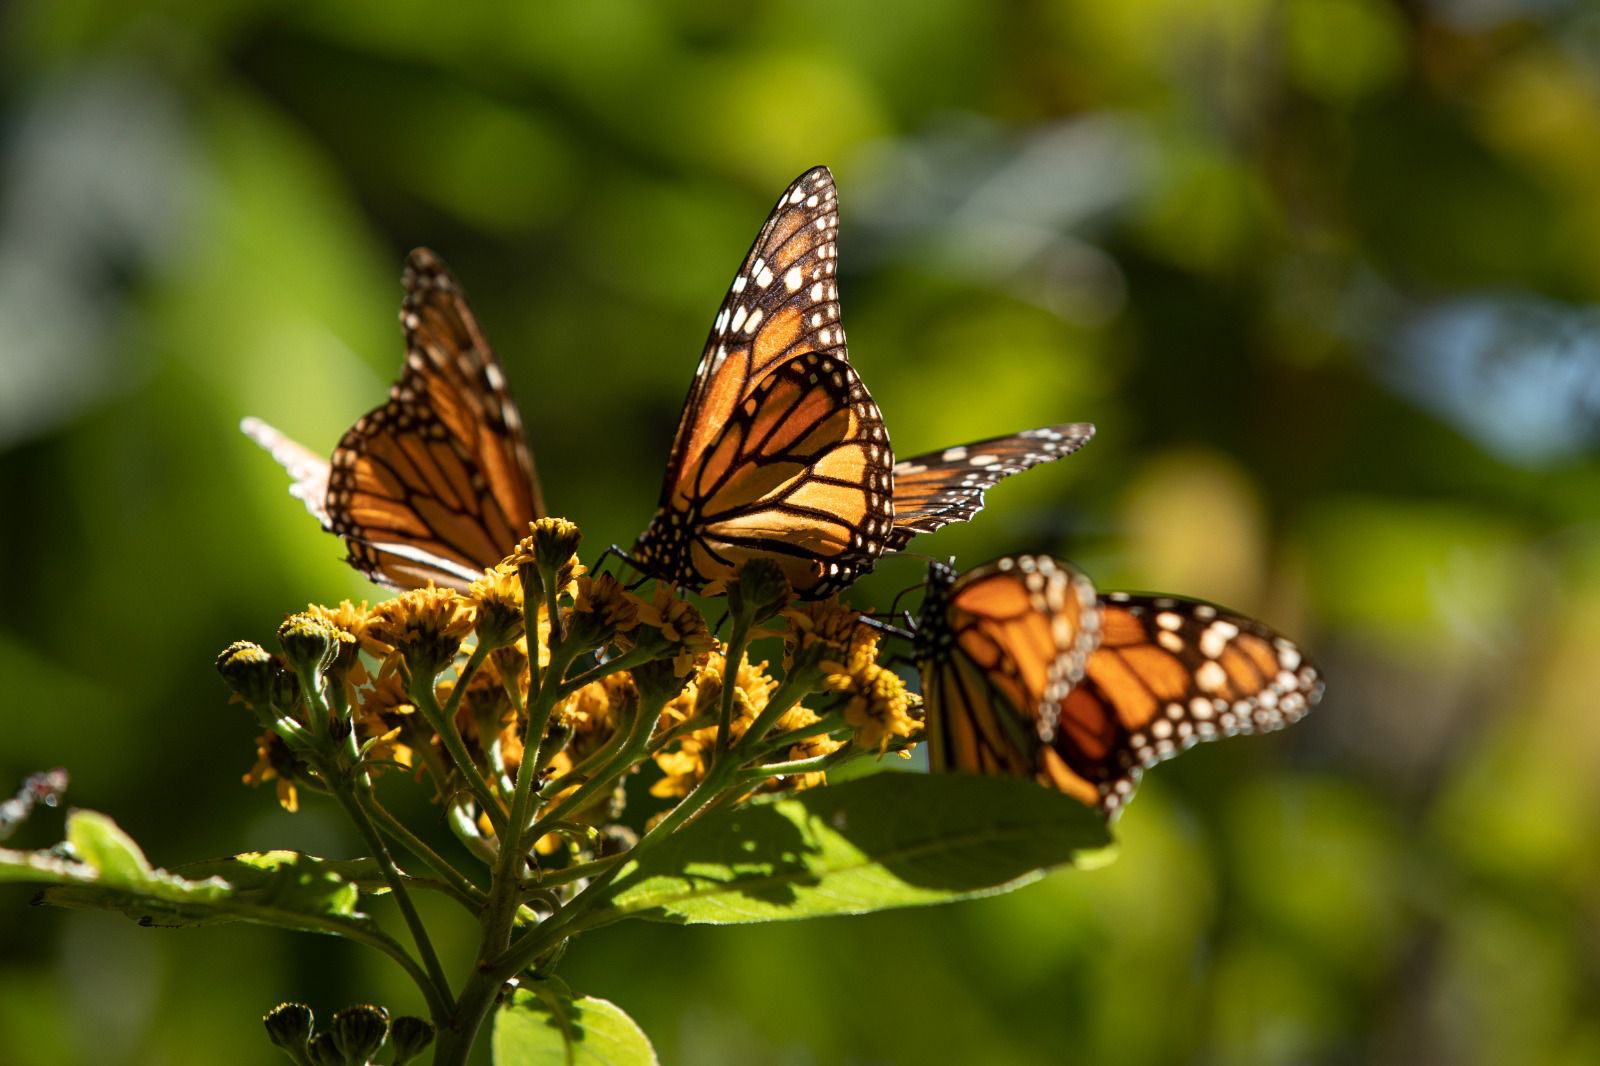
column 942, row 487
column 780, row 451
column 1134, row 680
column 438, row 483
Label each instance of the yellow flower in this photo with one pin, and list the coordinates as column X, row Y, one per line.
column 352, row 619
column 685, row 761
column 498, row 598
column 425, row 626
column 880, row 708
column 829, row 636
column 552, row 544
column 821, row 633
column 672, row 626
column 384, row 710
column 275, row 762
column 601, row 608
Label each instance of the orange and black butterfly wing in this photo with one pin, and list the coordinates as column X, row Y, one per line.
column 438, row 483
column 780, row 452
column 1169, row 673
column 999, row 648
column 942, row 487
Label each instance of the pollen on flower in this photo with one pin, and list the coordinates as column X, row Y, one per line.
column 880, row 708
column 601, row 608
column 351, row 619
column 497, row 595
column 676, row 626
column 424, row 626
column 686, row 759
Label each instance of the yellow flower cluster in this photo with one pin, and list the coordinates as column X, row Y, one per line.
column 832, row 637
column 375, row 656
column 684, row 762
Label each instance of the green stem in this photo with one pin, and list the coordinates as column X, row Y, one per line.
column 624, row 756
column 461, row 888
column 504, row 901
column 626, row 661
column 763, row 747
column 437, row 989
column 463, row 676
column 577, row 872
column 523, row 953
column 733, row 657
column 421, row 692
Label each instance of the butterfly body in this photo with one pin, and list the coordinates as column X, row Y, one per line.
column 1084, row 695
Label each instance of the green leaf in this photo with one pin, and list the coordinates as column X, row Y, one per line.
column 102, row 868
column 889, row 840
column 543, row 1024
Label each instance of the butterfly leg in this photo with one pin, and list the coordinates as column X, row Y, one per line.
column 615, row 552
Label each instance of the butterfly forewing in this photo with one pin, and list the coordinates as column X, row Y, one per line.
column 438, row 483
column 999, row 649
column 942, row 487
column 780, row 452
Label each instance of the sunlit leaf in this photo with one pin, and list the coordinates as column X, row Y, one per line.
column 100, row 867
column 544, row 1024
column 889, row 840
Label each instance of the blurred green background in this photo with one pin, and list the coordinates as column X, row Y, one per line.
column 1326, row 274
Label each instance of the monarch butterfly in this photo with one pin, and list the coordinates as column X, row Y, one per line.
column 1026, row 671
column 438, row 483
column 780, row 451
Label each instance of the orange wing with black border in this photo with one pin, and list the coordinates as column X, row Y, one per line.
column 942, row 487
column 780, row 452
column 1161, row 674
column 438, row 483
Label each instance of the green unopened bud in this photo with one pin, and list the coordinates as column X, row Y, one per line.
column 360, row 1031
column 285, row 691
column 248, row 670
column 657, row 681
column 309, row 643
column 324, row 1052
column 289, row 1028
column 760, row 592
column 409, row 1035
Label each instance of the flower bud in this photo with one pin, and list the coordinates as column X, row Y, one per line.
column 289, row 1027
column 248, row 670
column 285, row 696
column 409, row 1036
column 324, row 1052
column 658, row 682
column 760, row 592
column 360, row 1031
column 309, row 643
column 556, row 541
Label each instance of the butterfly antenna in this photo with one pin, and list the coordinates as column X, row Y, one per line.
column 894, row 604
